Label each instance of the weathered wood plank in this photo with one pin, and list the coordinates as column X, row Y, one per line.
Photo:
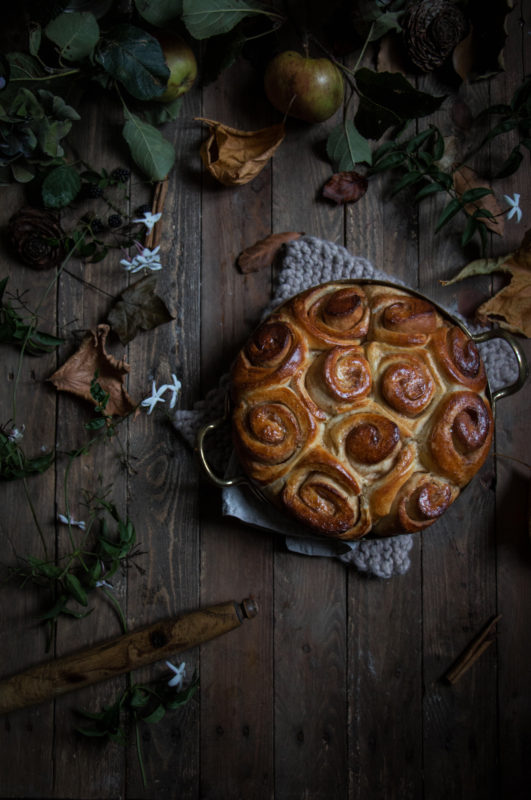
column 236, row 671
column 26, row 764
column 310, row 612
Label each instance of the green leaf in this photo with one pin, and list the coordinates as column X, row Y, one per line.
column 76, row 34
column 139, row 698
column 24, row 67
column 35, row 36
column 156, row 715
column 135, row 58
column 49, row 135
column 471, row 195
column 159, row 113
column 22, row 173
column 205, row 18
column 389, row 162
column 56, row 107
column 346, row 147
column 152, row 153
column 469, row 231
column 393, row 92
column 381, row 151
column 74, row 587
column 372, row 119
column 407, row 180
column 389, row 21
column 449, row 211
column 419, row 139
column 60, row 187
column 481, row 266
column 511, row 163
column 158, row 12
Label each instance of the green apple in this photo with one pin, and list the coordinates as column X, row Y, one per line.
column 182, row 64
column 307, row 88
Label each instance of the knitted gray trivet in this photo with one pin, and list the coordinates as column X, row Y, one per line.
column 308, row 261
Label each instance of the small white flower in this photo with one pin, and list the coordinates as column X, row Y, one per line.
column 155, row 397
column 144, row 259
column 149, row 219
column 103, row 583
column 514, row 205
column 179, row 673
column 71, row 521
column 174, row 388
column 15, row 434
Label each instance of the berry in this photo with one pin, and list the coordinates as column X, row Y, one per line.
column 114, row 221
column 144, row 209
column 91, row 191
column 120, row 174
column 97, row 225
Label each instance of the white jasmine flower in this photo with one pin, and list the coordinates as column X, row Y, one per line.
column 514, row 205
column 71, row 521
column 149, row 219
column 179, row 673
column 174, row 388
column 103, row 583
column 15, row 434
column 144, row 259
column 155, row 397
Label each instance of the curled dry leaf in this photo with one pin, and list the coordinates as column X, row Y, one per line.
column 392, row 55
column 235, row 157
column 262, row 254
column 464, row 179
column 138, row 309
column 345, row 187
column 90, row 359
column 511, row 306
column 480, row 53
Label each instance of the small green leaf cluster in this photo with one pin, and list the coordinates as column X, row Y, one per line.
column 515, row 116
column 14, row 464
column 418, row 160
column 141, row 703
column 80, row 571
column 17, row 330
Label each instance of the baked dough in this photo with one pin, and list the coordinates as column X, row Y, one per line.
column 359, row 408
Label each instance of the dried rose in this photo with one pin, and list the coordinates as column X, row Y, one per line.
column 37, row 238
column 432, row 29
column 345, row 187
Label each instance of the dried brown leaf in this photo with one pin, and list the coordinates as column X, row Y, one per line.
column 511, row 306
column 345, row 187
column 138, row 309
column 465, row 178
column 262, row 253
column 91, row 358
column 235, row 157
column 480, row 54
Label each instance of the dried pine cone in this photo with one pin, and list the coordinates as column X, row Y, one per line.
column 432, row 30
column 37, row 238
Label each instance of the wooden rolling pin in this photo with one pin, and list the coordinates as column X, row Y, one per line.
column 122, row 654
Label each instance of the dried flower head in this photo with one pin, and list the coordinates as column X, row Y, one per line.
column 37, row 238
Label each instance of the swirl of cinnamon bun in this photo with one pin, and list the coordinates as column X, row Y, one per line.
column 270, row 428
column 339, row 379
column 371, row 438
column 403, row 319
column 322, row 494
column 461, row 436
column 422, row 500
column 274, row 352
column 332, row 314
column 407, row 386
column 459, row 358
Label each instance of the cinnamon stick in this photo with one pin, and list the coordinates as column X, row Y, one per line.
column 154, row 235
column 475, row 649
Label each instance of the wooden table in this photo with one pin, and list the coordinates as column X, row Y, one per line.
column 335, row 689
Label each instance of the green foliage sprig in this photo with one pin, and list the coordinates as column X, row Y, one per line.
column 18, row 331
column 88, row 565
column 138, row 703
column 14, row 464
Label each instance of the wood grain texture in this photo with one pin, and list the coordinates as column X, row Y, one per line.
column 236, row 676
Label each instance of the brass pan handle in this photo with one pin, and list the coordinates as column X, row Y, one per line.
column 216, row 480
column 523, row 369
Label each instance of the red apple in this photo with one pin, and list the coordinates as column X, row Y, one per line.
column 182, row 64
column 307, row 88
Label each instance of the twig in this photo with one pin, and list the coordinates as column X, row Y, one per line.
column 475, row 649
column 154, row 235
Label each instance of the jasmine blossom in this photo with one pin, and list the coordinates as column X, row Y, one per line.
column 179, row 673
column 174, row 388
column 149, row 219
column 155, row 397
column 68, row 520
column 514, row 205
